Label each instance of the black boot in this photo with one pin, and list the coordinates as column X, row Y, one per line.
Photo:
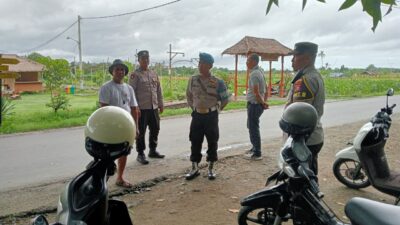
column 142, row 158
column 155, row 154
column 211, row 174
column 194, row 172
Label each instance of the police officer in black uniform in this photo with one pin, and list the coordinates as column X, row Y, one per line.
column 206, row 95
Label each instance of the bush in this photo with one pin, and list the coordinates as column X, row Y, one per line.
column 58, row 101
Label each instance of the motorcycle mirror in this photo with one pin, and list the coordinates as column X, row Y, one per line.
column 390, row 92
column 40, row 220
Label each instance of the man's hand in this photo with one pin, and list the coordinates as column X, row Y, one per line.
column 265, row 105
column 161, row 109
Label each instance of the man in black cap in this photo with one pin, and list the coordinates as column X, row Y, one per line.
column 308, row 86
column 117, row 93
column 148, row 91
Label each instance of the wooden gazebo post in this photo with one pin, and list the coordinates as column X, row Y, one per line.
column 281, row 84
column 236, row 76
column 270, row 79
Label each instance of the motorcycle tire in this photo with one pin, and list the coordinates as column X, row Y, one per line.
column 344, row 169
column 251, row 215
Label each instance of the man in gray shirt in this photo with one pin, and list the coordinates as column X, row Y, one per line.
column 256, row 103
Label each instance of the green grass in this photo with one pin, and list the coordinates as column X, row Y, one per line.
column 30, row 112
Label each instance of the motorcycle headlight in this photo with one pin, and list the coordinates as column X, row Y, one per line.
column 288, row 170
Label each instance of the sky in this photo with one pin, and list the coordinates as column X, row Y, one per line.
column 193, row 26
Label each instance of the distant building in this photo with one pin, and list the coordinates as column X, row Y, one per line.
column 30, row 76
column 336, row 74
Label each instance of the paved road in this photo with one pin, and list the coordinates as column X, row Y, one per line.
column 37, row 157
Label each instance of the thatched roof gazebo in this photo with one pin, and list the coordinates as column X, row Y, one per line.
column 269, row 50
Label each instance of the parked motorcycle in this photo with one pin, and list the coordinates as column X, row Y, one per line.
column 110, row 133
column 296, row 195
column 356, row 173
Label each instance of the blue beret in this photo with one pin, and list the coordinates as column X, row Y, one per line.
column 206, row 58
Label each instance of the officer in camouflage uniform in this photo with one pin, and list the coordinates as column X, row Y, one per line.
column 149, row 96
column 206, row 95
column 308, row 86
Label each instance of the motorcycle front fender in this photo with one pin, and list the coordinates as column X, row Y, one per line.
column 119, row 214
column 267, row 197
column 347, row 153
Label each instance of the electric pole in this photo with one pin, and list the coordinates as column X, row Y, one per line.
column 171, row 56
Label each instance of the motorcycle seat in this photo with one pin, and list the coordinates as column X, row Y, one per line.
column 363, row 211
column 389, row 185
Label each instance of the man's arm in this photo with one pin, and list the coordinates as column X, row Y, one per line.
column 260, row 100
column 189, row 95
column 160, row 98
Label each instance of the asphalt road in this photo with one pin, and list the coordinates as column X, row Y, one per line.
column 37, row 157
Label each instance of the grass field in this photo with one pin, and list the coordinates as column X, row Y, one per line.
column 30, row 112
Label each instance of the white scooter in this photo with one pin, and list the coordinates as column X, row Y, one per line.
column 347, row 167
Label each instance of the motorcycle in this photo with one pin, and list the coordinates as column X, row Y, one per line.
column 109, row 135
column 347, row 167
column 296, row 196
column 85, row 199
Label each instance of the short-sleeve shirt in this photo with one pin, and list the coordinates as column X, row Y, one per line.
column 147, row 88
column 121, row 95
column 206, row 93
column 256, row 78
column 310, row 88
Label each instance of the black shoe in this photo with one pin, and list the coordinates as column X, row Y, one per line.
column 155, row 154
column 192, row 174
column 142, row 159
column 211, row 175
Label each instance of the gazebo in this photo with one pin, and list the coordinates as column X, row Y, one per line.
column 269, row 50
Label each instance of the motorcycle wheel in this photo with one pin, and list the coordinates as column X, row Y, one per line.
column 350, row 173
column 250, row 215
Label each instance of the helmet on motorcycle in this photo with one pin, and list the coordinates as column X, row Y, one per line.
column 299, row 118
column 109, row 133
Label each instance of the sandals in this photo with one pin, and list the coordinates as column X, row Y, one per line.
column 124, row 184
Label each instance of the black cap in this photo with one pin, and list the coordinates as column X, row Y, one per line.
column 305, row 47
column 143, row 53
column 116, row 63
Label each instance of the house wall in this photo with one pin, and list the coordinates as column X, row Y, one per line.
column 28, row 76
column 28, row 86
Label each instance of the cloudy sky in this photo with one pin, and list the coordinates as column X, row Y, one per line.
column 194, row 26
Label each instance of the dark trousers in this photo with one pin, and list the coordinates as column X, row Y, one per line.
column 254, row 112
column 204, row 125
column 315, row 149
column 150, row 118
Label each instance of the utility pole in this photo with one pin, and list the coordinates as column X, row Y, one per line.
column 80, row 42
column 171, row 56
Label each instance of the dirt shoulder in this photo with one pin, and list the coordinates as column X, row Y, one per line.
column 163, row 196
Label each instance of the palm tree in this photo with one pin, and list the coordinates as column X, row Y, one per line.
column 322, row 55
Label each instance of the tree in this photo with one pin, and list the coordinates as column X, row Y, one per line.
column 372, row 7
column 55, row 75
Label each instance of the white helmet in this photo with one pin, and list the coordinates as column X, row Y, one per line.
column 109, row 133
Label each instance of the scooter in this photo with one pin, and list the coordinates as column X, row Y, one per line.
column 296, row 196
column 85, row 199
column 352, row 172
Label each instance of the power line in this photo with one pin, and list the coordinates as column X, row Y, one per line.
column 50, row 40
column 134, row 12
column 98, row 17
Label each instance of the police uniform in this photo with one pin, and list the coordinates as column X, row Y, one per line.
column 206, row 95
column 149, row 97
column 308, row 86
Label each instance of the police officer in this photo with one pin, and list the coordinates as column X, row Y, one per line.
column 308, row 86
column 148, row 91
column 206, row 95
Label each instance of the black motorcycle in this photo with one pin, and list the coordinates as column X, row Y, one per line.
column 85, row 200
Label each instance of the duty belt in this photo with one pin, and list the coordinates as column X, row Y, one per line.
column 205, row 110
